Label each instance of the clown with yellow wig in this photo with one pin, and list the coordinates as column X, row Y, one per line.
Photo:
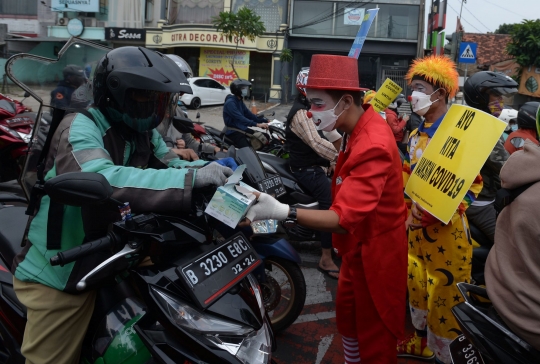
column 439, row 254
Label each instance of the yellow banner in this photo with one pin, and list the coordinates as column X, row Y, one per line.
column 452, row 160
column 216, row 63
column 385, row 95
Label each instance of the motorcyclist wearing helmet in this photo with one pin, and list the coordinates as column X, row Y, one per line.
column 133, row 89
column 526, row 121
column 311, row 156
column 397, row 123
column 74, row 77
column 484, row 91
column 237, row 115
column 509, row 116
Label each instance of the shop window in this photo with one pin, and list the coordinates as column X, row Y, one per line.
column 340, row 19
column 18, row 7
column 194, row 11
column 273, row 13
column 126, row 14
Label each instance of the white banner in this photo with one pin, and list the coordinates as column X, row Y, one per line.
column 84, row 6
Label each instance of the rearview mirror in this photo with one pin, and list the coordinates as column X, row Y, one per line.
column 26, row 94
column 79, row 189
column 198, row 116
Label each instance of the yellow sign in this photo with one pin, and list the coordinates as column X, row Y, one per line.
column 216, row 63
column 385, row 95
column 452, row 160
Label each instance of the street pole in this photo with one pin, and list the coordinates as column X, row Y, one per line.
column 464, row 80
column 462, row 1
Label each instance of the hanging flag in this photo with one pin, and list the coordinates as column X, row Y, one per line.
column 362, row 33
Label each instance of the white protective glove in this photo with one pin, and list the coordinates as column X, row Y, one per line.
column 332, row 136
column 212, row 175
column 267, row 208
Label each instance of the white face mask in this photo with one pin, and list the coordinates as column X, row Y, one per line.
column 421, row 102
column 326, row 120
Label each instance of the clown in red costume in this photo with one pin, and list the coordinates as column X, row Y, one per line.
column 367, row 215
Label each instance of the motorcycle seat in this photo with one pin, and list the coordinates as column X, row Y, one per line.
column 12, row 225
column 280, row 165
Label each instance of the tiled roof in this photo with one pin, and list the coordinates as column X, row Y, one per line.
column 491, row 47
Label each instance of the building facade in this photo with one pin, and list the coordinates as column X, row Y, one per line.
column 189, row 33
column 395, row 38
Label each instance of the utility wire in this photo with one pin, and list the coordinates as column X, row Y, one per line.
column 510, row 11
column 463, row 19
column 478, row 20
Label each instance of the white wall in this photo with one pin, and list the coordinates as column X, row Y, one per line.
column 21, row 25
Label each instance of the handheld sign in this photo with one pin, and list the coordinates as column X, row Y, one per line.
column 362, row 33
column 385, row 95
column 452, row 160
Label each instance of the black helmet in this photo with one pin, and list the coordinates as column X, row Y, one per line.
column 478, row 86
column 74, row 75
column 238, row 85
column 136, row 85
column 527, row 115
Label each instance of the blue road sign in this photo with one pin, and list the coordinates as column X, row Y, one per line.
column 467, row 52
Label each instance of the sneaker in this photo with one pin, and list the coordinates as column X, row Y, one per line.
column 415, row 347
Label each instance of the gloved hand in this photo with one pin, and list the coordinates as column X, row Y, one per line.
column 212, row 174
column 267, row 207
column 228, row 162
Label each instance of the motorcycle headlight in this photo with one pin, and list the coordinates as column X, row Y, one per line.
column 191, row 319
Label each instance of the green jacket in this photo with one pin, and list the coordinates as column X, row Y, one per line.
column 143, row 179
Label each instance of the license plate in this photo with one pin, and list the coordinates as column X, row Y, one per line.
column 462, row 351
column 208, row 139
column 272, row 186
column 214, row 273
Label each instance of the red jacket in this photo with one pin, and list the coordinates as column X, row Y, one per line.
column 395, row 123
column 367, row 192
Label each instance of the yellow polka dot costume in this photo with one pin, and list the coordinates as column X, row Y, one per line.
column 439, row 255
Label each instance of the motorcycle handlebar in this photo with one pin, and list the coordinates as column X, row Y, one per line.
column 83, row 250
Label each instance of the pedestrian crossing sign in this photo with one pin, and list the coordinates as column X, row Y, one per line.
column 467, row 52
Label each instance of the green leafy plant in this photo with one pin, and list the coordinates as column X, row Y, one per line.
column 504, row 28
column 235, row 26
column 525, row 43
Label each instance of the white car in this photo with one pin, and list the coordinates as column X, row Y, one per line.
column 206, row 91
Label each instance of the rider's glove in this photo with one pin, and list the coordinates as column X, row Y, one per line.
column 212, row 174
column 266, row 208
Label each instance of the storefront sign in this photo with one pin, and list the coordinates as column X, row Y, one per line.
column 85, row 6
column 353, row 16
column 75, row 27
column 385, row 95
column 530, row 82
column 362, row 33
column 125, row 34
column 205, row 37
column 216, row 63
column 452, row 160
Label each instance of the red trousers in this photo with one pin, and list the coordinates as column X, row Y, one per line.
column 357, row 316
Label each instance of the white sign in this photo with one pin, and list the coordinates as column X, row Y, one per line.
column 83, row 6
column 353, row 16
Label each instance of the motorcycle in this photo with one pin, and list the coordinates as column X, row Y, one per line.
column 485, row 338
column 16, row 125
column 176, row 310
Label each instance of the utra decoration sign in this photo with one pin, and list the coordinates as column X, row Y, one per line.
column 125, row 34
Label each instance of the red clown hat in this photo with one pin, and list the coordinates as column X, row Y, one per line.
column 334, row 73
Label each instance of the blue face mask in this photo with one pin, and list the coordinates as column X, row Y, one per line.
column 244, row 92
column 514, row 127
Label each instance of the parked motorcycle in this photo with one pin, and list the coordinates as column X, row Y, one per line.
column 485, row 337
column 16, row 125
column 197, row 302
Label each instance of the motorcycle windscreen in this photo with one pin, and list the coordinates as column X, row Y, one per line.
column 56, row 84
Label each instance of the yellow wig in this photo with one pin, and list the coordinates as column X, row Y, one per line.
column 437, row 70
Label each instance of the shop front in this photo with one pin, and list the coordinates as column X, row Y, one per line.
column 209, row 53
column 394, row 40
